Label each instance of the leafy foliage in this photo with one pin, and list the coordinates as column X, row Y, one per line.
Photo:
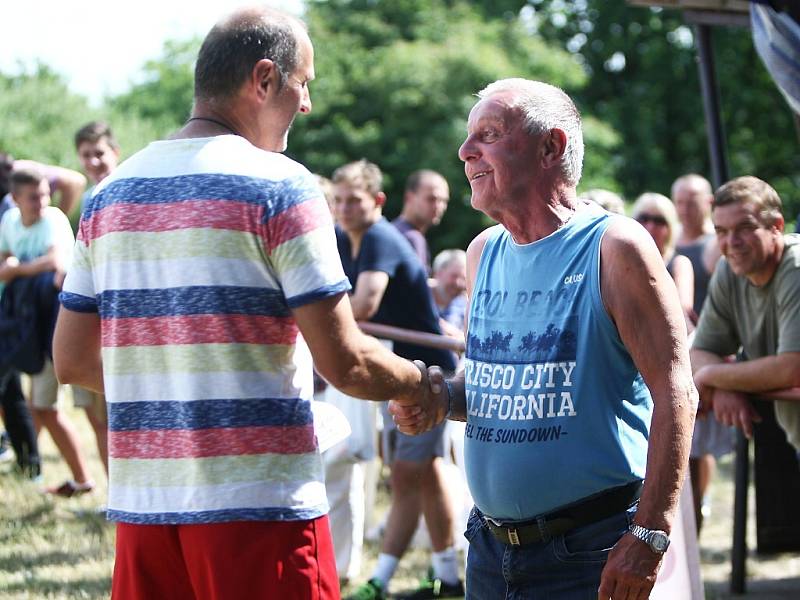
column 643, row 82
column 395, row 84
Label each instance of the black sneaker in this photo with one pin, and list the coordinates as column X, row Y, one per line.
column 434, row 587
column 372, row 590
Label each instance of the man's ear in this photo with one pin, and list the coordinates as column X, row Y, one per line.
column 779, row 223
column 264, row 77
column 553, row 147
column 380, row 199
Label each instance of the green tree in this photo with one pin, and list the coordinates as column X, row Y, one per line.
column 39, row 116
column 396, row 80
column 643, row 81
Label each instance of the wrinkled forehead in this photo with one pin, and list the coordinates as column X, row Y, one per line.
column 496, row 109
column 736, row 213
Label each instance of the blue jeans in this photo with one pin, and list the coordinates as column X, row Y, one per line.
column 567, row 567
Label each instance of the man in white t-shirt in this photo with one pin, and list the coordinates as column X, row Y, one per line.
column 36, row 238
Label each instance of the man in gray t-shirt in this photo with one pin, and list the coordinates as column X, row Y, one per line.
column 753, row 303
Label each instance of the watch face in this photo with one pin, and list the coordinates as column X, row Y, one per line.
column 659, row 541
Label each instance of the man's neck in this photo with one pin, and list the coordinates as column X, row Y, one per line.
column 208, row 120
column 536, row 219
column 420, row 226
column 690, row 234
column 442, row 299
column 356, row 235
column 29, row 222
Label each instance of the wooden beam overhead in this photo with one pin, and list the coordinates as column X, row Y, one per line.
column 726, row 6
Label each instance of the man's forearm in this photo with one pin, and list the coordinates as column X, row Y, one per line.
column 375, row 373
column 667, row 456
column 36, row 266
column 702, row 358
column 753, row 376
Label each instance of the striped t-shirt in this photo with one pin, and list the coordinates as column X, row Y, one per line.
column 194, row 252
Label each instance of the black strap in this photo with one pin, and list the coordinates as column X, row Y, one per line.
column 589, row 510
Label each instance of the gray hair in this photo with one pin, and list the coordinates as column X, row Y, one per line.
column 609, row 200
column 446, row 257
column 546, row 107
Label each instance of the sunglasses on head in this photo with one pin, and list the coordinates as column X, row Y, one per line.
column 654, row 219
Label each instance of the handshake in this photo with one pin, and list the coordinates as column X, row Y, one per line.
column 426, row 406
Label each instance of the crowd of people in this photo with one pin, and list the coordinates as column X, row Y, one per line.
column 205, row 278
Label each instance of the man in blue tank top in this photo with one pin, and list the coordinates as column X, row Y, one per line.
column 576, row 378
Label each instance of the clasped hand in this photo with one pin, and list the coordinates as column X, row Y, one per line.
column 425, row 407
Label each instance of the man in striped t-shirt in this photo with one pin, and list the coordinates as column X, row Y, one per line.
column 206, row 276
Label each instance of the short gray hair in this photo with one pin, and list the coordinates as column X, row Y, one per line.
column 545, row 107
column 446, row 257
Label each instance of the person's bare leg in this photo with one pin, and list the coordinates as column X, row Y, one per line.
column 66, row 440
column 701, row 470
column 437, row 507
column 98, row 423
column 406, row 505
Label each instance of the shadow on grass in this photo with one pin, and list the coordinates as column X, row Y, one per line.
column 88, row 587
column 38, row 515
column 15, row 562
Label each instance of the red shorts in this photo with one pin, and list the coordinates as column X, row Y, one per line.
column 285, row 560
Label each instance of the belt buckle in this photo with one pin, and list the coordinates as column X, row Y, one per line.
column 513, row 535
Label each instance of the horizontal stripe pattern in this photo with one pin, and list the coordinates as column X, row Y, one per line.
column 192, row 300
column 78, row 303
column 212, row 473
column 187, row 273
column 180, row 443
column 124, row 246
column 276, row 196
column 199, row 329
column 195, row 358
column 208, row 385
column 210, row 214
column 198, row 497
column 192, row 252
column 217, row 516
column 169, row 415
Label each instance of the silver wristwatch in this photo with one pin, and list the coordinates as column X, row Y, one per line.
column 655, row 538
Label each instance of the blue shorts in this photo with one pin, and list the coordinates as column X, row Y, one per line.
column 412, row 448
column 567, row 567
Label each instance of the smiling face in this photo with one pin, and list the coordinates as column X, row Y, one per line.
column 500, row 157
column 752, row 249
column 98, row 158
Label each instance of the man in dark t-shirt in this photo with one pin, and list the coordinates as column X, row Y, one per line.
column 424, row 204
column 390, row 287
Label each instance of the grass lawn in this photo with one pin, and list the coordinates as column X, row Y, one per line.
column 57, row 548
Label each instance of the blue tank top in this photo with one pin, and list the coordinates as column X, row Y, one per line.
column 556, row 409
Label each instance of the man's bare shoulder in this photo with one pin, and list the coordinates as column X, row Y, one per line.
column 626, row 241
column 475, row 248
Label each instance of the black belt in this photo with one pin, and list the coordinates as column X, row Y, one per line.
column 591, row 509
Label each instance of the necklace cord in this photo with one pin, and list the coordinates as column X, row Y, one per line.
column 216, row 122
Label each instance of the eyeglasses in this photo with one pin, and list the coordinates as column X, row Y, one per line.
column 654, row 219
